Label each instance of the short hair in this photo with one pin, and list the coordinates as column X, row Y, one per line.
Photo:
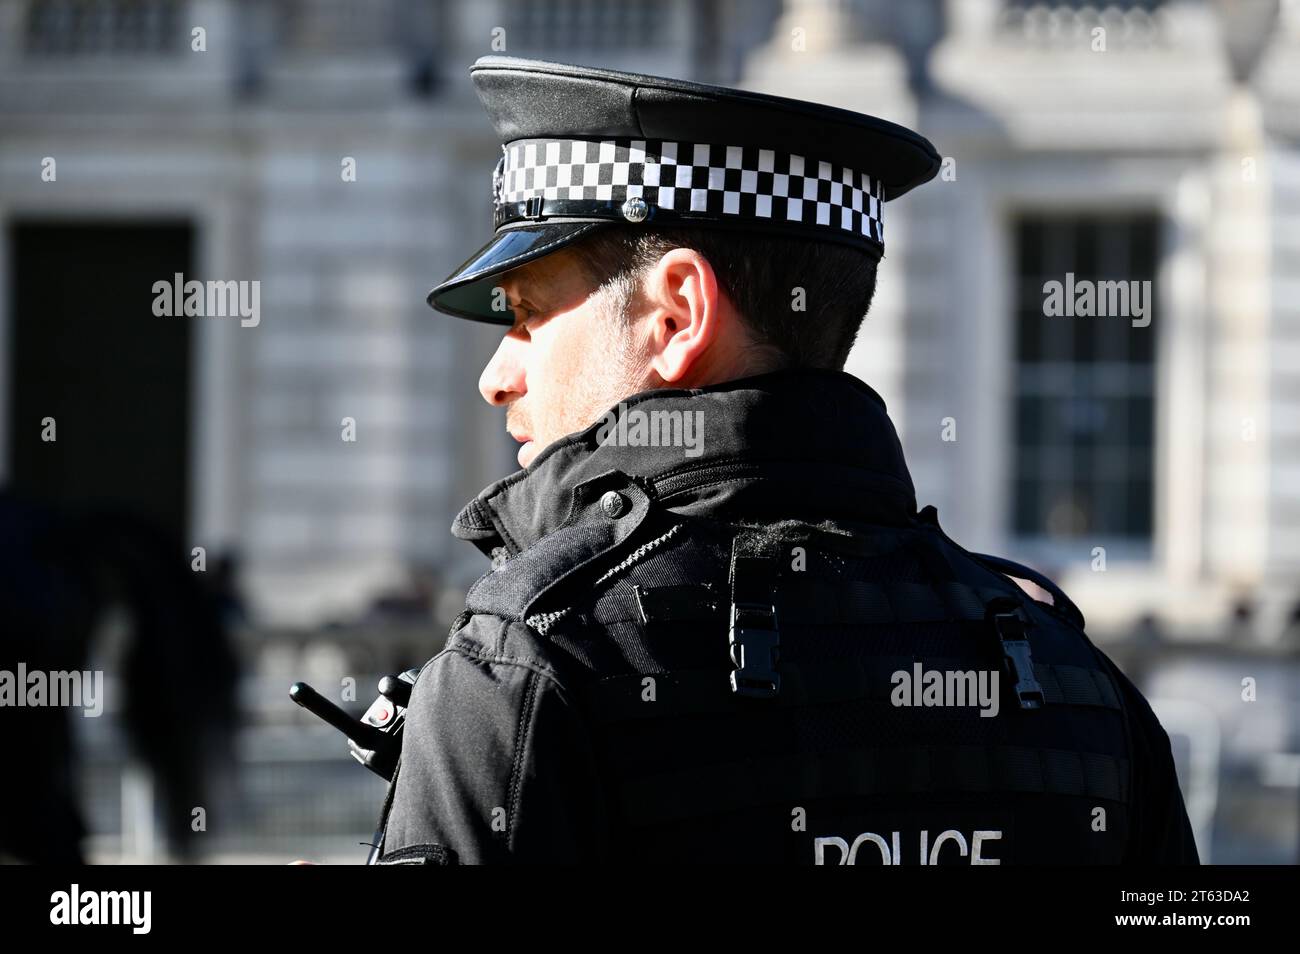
column 759, row 273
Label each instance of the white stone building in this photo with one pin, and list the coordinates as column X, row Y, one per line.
column 1169, row 151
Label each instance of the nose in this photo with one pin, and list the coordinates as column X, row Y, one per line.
column 503, row 380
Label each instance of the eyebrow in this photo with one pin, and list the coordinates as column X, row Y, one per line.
column 517, row 286
column 524, row 284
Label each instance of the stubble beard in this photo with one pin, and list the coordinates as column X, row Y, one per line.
column 613, row 369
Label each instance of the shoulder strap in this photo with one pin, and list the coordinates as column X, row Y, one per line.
column 1010, row 568
column 1062, row 604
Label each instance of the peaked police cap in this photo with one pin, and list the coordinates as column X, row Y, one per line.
column 586, row 149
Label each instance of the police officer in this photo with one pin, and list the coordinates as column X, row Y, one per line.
column 717, row 627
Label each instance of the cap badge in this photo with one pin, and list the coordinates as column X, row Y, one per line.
column 498, row 180
column 635, row 209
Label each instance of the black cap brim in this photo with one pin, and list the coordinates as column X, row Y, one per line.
column 468, row 291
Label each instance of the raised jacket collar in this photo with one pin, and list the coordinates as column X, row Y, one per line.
column 798, row 443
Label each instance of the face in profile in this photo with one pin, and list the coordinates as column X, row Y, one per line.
column 568, row 358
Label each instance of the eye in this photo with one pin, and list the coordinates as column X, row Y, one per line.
column 526, row 315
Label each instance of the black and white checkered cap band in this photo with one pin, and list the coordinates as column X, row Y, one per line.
column 539, row 178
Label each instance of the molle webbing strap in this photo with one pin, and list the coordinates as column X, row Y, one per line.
column 692, row 692
column 802, row 602
column 786, row 778
column 826, row 602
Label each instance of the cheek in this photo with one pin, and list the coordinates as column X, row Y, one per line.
column 566, row 348
column 553, row 363
column 575, row 369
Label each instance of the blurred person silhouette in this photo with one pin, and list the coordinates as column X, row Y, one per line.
column 59, row 572
column 1241, row 624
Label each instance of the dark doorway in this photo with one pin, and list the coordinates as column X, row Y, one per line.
column 86, row 349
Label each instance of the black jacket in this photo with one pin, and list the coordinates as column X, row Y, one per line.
column 583, row 708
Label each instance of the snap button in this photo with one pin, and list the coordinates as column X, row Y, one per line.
column 614, row 504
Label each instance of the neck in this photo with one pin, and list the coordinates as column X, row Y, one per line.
column 747, row 360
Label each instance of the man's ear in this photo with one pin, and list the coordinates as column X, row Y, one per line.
column 686, row 314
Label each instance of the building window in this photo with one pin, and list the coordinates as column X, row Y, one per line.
column 1085, row 378
column 104, row 27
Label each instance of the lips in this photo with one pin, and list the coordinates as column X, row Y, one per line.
column 523, row 437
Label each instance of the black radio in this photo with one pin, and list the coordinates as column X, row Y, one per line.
column 375, row 740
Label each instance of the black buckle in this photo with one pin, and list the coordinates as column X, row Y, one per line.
column 1009, row 623
column 533, row 207
column 755, row 647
